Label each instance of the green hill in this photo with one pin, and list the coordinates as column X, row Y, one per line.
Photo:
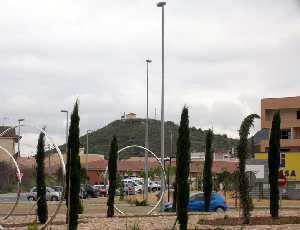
column 132, row 132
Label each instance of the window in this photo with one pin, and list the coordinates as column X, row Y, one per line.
column 197, row 196
column 297, row 186
column 285, row 134
column 298, row 115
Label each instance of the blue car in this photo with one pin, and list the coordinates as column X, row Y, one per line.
column 196, row 203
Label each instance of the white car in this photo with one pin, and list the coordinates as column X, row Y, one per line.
column 51, row 194
column 153, row 186
column 137, row 187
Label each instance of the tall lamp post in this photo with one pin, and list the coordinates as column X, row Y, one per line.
column 147, row 136
column 67, row 128
column 162, row 148
column 87, row 152
column 19, row 132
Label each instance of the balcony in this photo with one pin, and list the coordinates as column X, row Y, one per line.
column 284, row 124
column 284, row 143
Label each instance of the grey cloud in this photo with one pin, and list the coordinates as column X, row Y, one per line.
column 221, row 58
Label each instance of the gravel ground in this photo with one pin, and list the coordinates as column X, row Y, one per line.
column 151, row 222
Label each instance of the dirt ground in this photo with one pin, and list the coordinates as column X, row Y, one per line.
column 158, row 221
column 94, row 216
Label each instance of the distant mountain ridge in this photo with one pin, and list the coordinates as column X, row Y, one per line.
column 132, row 132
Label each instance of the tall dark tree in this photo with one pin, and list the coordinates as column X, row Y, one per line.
column 207, row 172
column 174, row 196
column 274, row 163
column 243, row 154
column 112, row 173
column 74, row 169
column 182, row 169
column 42, row 209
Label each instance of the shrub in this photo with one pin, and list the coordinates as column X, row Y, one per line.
column 141, row 203
column 32, row 226
column 80, row 207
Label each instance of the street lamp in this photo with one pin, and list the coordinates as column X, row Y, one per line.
column 87, row 151
column 67, row 128
column 162, row 147
column 148, row 61
column 19, row 121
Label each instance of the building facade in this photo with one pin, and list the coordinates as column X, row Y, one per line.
column 289, row 108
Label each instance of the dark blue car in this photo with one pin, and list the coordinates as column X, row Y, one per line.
column 196, row 203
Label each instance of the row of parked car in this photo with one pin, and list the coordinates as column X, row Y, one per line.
column 131, row 186
column 196, row 201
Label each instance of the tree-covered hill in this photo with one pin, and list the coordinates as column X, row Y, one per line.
column 132, row 132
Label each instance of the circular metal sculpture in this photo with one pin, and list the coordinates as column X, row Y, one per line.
column 19, row 181
column 63, row 168
column 161, row 166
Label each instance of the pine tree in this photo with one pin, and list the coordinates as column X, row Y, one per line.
column 243, row 155
column 182, row 169
column 207, row 173
column 74, row 169
column 112, row 172
column 274, row 163
column 42, row 209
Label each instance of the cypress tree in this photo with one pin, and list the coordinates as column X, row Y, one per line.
column 274, row 162
column 243, row 155
column 74, row 169
column 182, row 169
column 207, row 173
column 112, row 173
column 42, row 209
column 174, row 196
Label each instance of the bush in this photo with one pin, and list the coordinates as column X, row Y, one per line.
column 80, row 207
column 32, row 226
column 141, row 203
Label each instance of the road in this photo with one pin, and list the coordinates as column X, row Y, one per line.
column 11, row 197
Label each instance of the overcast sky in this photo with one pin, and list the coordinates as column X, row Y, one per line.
column 221, row 58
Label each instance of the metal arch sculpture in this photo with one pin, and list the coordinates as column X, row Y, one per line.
column 19, row 182
column 50, row 220
column 161, row 166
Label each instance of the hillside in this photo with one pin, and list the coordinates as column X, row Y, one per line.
column 131, row 132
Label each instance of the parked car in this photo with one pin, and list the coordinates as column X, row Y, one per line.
column 129, row 189
column 196, row 203
column 153, row 186
column 131, row 183
column 101, row 188
column 58, row 188
column 88, row 191
column 51, row 194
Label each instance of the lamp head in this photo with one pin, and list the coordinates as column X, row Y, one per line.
column 161, row 4
column 148, row 61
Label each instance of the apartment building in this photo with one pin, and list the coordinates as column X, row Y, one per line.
column 289, row 108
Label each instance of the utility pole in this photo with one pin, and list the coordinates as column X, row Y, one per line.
column 19, row 126
column 170, row 165
column 148, row 61
column 162, row 120
column 87, row 154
